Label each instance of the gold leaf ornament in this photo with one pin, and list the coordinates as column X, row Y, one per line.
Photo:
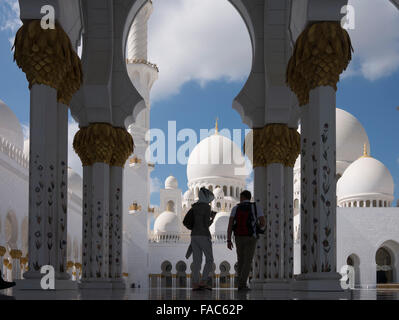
column 274, row 143
column 47, row 57
column 103, row 143
column 321, row 53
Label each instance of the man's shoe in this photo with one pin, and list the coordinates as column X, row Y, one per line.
column 206, row 287
column 244, row 288
column 6, row 284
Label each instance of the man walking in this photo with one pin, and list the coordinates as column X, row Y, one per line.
column 246, row 220
column 201, row 217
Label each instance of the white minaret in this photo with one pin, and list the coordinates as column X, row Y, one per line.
column 136, row 197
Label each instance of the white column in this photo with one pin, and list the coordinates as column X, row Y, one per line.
column 16, row 264
column 306, row 191
column 115, row 227
column 288, row 223
column 260, row 261
column 318, row 216
column 97, row 265
column 62, row 191
column 47, row 209
column 275, row 223
column 87, row 209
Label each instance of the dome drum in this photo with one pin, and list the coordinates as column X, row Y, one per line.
column 366, row 182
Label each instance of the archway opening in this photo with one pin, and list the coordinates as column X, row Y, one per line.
column 354, row 261
column 224, row 281
column 181, row 276
column 166, row 274
column 385, row 268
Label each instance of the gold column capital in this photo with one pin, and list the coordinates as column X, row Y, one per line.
column 101, row 142
column 277, row 140
column 254, row 146
column 78, row 266
column 123, row 148
column 274, row 143
column 47, row 57
column 321, row 53
column 16, row 254
column 70, row 264
column 3, row 251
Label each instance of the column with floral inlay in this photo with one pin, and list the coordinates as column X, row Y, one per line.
column 54, row 73
column 322, row 51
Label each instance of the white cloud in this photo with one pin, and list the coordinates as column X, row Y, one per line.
column 250, row 186
column 155, row 185
column 9, row 17
column 375, row 39
column 25, row 130
column 199, row 40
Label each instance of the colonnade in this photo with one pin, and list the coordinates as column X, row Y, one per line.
column 54, row 72
column 322, row 51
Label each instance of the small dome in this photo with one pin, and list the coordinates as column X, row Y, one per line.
column 188, row 195
column 171, row 183
column 220, row 224
column 365, row 179
column 75, row 182
column 10, row 128
column 166, row 223
column 351, row 138
column 216, row 156
column 218, row 193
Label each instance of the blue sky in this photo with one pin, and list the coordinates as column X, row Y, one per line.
column 199, row 79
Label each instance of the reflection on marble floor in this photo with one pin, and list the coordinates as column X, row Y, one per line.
column 186, row 294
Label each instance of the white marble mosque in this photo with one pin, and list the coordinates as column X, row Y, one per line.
column 328, row 202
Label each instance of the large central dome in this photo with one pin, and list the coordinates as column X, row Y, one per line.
column 351, row 138
column 10, row 128
column 216, row 156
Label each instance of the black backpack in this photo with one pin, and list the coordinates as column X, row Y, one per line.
column 188, row 220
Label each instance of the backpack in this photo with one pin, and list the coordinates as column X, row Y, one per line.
column 243, row 220
column 188, row 220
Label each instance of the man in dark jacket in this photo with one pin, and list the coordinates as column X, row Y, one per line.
column 201, row 238
column 244, row 219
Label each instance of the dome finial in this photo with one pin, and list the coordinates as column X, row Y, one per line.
column 216, row 126
column 365, row 151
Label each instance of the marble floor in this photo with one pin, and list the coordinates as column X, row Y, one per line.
column 186, row 294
